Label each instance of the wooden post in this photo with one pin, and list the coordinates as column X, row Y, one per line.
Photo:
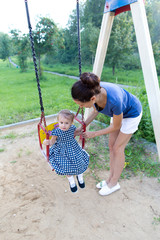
column 106, row 26
column 148, row 65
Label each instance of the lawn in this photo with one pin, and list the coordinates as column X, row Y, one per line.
column 122, row 76
column 20, row 99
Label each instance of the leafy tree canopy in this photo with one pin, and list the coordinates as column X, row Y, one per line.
column 4, row 46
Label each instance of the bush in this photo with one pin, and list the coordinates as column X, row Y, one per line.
column 131, row 62
column 145, row 128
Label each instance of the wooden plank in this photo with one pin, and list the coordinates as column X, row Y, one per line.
column 148, row 65
column 106, row 26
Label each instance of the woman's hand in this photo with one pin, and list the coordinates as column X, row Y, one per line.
column 89, row 134
column 78, row 131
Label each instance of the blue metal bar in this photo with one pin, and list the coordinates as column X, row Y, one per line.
column 112, row 5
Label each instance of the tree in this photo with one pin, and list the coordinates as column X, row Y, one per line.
column 90, row 36
column 47, row 39
column 4, row 46
column 70, row 52
column 120, row 43
column 153, row 12
column 93, row 12
column 21, row 46
column 90, row 20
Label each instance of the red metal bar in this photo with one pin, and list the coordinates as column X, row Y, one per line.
column 47, row 147
column 84, row 129
column 47, row 136
column 78, row 120
column 39, row 128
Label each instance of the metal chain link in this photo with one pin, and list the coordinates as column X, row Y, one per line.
column 34, row 57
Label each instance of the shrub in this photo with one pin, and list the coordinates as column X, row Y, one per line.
column 145, row 128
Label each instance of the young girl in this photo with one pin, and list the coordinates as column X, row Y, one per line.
column 125, row 111
column 66, row 156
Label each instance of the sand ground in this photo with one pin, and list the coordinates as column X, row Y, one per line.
column 36, row 204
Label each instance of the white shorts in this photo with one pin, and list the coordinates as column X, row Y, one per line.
column 129, row 125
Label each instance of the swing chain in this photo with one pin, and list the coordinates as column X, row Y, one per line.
column 34, row 56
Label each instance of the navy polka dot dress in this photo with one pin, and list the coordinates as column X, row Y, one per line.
column 66, row 155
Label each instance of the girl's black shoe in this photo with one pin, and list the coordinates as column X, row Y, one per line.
column 73, row 189
column 81, row 185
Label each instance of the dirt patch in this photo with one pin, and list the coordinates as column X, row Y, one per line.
column 37, row 204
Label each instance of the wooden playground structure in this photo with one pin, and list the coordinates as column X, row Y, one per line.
column 137, row 7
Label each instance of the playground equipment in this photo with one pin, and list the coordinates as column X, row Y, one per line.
column 111, row 9
column 44, row 131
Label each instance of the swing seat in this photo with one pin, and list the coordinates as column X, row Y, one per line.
column 45, row 133
column 49, row 129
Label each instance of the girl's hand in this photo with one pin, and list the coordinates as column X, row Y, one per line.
column 46, row 142
column 89, row 134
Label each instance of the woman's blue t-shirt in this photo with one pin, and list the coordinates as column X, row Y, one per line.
column 119, row 100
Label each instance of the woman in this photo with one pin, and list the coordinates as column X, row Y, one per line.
column 125, row 111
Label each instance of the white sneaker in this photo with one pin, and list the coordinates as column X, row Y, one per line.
column 101, row 184
column 106, row 190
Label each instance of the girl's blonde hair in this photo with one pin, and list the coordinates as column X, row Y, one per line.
column 67, row 114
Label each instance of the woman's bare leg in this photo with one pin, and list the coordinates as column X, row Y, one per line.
column 118, row 157
column 112, row 139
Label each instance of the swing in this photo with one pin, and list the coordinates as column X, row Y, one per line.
column 44, row 131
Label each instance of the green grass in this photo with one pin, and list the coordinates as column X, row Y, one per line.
column 20, row 99
column 127, row 77
column 9, row 136
column 130, row 77
column 68, row 69
column 138, row 162
column 156, row 220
